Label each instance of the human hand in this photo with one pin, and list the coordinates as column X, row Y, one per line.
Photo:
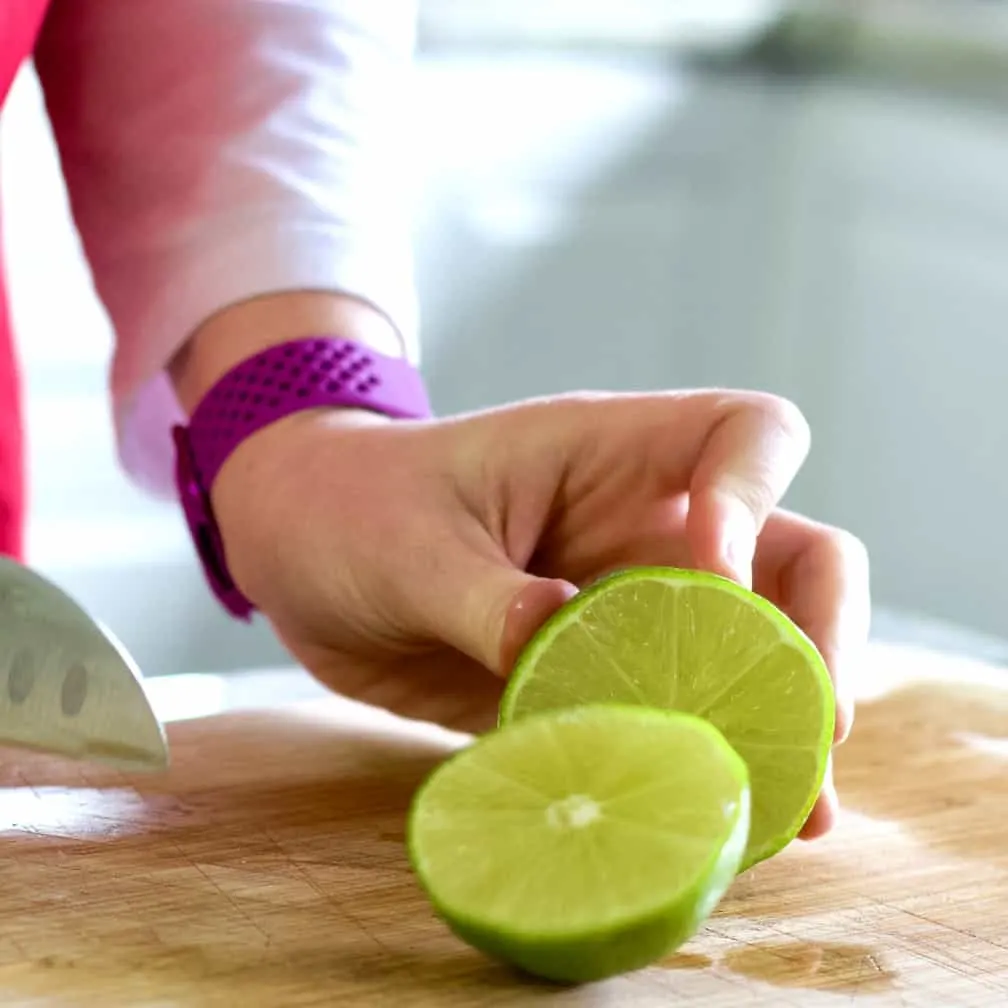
column 406, row 564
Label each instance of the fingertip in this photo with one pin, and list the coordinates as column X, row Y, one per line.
column 529, row 609
column 837, row 664
column 844, row 721
column 822, row 818
column 826, row 810
column 722, row 532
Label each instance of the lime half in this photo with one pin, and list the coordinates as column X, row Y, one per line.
column 699, row 643
column 583, row 843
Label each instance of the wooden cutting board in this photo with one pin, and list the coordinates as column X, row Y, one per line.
column 267, row 869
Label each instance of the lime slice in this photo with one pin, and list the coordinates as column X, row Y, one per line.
column 699, row 643
column 582, row 843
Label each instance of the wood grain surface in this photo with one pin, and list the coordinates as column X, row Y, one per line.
column 267, row 869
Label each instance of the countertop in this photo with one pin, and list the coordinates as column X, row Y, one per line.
column 267, row 866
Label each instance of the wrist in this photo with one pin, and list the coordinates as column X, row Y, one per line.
column 260, row 387
column 252, row 491
column 257, row 463
column 240, row 331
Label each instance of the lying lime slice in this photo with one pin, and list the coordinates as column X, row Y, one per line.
column 698, row 643
column 582, row 843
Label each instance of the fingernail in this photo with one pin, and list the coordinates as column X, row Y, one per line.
column 534, row 604
column 844, row 720
column 739, row 543
column 838, row 663
column 830, row 792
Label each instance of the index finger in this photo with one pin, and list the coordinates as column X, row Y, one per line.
column 747, row 462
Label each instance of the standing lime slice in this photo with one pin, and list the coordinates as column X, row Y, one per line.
column 699, row 643
column 583, row 843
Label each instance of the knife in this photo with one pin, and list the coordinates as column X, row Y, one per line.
column 67, row 686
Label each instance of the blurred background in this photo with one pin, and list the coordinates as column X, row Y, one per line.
column 809, row 198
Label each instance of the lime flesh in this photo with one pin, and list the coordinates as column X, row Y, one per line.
column 698, row 643
column 584, row 843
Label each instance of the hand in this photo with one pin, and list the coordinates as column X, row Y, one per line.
column 405, row 564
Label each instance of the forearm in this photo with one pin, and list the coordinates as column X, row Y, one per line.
column 250, row 186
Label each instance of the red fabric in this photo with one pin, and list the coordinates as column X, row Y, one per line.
column 12, row 462
column 19, row 25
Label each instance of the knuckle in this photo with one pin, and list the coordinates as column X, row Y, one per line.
column 853, row 550
column 787, row 417
column 776, row 436
column 757, row 492
column 852, row 566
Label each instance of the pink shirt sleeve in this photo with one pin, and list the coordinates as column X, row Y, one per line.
column 219, row 149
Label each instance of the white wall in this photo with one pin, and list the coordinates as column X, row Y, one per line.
column 844, row 246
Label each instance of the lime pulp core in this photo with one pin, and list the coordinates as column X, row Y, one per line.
column 701, row 644
column 573, row 812
column 580, row 844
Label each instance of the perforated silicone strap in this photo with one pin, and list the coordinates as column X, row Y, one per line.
column 284, row 379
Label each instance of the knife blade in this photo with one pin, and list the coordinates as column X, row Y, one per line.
column 67, row 686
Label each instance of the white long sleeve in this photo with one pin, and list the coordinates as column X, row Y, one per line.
column 215, row 150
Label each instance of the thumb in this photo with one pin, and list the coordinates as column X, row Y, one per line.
column 485, row 607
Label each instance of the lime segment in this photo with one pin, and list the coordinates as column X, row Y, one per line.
column 582, row 843
column 701, row 644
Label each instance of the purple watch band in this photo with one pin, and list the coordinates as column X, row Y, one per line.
column 300, row 375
